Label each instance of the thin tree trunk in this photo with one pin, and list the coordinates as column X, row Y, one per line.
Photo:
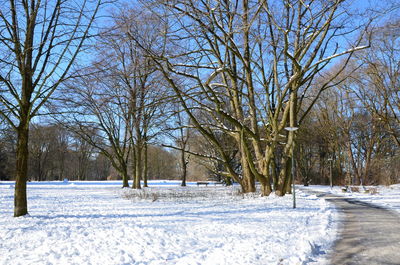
column 145, row 166
column 184, row 168
column 138, row 167
column 352, row 162
column 274, row 173
column 133, row 163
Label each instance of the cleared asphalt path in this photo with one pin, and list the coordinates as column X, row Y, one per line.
column 370, row 234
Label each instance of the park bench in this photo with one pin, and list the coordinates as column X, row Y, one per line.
column 202, row 183
column 354, row 189
column 350, row 188
column 371, row 190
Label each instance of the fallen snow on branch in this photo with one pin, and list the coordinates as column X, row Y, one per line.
column 100, row 223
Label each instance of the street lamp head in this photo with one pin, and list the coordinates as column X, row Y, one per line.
column 291, row 129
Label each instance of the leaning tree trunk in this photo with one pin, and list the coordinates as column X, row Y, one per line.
column 20, row 198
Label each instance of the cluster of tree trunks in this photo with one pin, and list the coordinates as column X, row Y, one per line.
column 250, row 72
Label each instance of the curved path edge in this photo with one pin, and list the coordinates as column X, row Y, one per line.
column 369, row 234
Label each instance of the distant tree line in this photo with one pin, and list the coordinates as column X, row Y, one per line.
column 57, row 154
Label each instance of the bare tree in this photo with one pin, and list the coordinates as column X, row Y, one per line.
column 248, row 67
column 144, row 84
column 83, row 151
column 180, row 133
column 96, row 109
column 120, row 98
column 40, row 145
column 377, row 81
column 40, row 41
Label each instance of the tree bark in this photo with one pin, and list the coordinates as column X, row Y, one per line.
column 248, row 182
column 184, row 168
column 125, row 183
column 145, row 166
column 138, row 167
column 265, row 189
column 20, row 198
column 283, row 177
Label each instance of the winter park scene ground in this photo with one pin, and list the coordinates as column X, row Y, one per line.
column 100, row 223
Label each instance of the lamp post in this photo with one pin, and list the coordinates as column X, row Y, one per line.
column 330, row 172
column 292, row 129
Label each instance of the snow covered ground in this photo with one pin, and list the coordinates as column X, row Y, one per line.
column 386, row 196
column 100, row 223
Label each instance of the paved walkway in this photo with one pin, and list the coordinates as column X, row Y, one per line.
column 370, row 234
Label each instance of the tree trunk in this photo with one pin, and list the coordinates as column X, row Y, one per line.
column 145, row 166
column 20, row 198
column 248, row 183
column 124, row 173
column 284, row 177
column 184, row 168
column 274, row 174
column 289, row 179
column 352, row 162
column 266, row 189
column 138, row 167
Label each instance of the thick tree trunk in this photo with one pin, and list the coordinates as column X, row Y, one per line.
column 289, row 180
column 248, row 183
column 284, row 176
column 125, row 183
column 20, row 198
column 266, row 189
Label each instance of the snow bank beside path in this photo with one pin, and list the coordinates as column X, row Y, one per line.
column 86, row 224
column 386, row 196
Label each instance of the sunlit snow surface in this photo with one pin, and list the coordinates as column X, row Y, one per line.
column 100, row 223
